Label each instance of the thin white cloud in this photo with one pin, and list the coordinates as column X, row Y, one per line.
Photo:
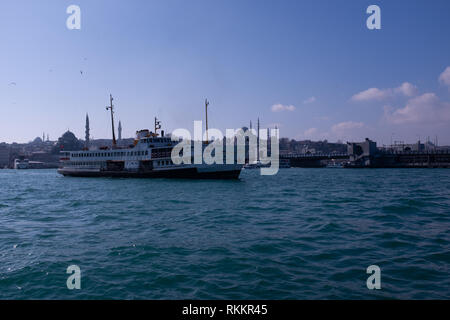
column 424, row 109
column 406, row 89
column 281, row 107
column 370, row 94
column 310, row 100
column 345, row 126
column 310, row 132
column 313, row 134
column 444, row 78
column 348, row 131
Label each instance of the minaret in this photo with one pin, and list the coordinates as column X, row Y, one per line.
column 87, row 131
column 120, row 130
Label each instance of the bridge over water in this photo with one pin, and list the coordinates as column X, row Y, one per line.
column 379, row 159
column 314, row 160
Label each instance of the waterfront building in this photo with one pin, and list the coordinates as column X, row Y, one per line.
column 362, row 151
column 5, row 152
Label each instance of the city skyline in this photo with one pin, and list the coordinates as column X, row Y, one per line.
column 312, row 69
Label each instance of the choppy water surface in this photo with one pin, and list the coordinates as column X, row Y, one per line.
column 302, row 234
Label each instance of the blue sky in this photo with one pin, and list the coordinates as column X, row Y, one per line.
column 311, row 67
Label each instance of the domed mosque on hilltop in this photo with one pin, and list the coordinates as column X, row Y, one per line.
column 38, row 140
column 68, row 141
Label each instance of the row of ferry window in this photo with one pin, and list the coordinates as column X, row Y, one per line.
column 165, row 162
column 91, row 163
column 111, row 154
column 97, row 163
column 156, row 140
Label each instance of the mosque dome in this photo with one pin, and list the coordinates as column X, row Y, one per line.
column 69, row 142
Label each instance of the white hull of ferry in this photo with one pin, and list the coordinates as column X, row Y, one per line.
column 190, row 172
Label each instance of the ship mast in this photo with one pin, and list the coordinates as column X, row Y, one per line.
column 206, row 109
column 111, row 107
column 257, row 144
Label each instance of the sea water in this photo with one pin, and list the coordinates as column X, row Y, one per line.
column 301, row 234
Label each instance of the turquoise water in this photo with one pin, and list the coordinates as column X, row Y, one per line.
column 302, row 234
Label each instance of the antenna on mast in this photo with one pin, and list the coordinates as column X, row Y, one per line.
column 206, row 109
column 111, row 107
column 157, row 126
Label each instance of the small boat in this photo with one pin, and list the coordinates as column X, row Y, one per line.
column 335, row 165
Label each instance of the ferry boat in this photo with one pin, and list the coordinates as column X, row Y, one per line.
column 21, row 163
column 148, row 157
column 256, row 165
